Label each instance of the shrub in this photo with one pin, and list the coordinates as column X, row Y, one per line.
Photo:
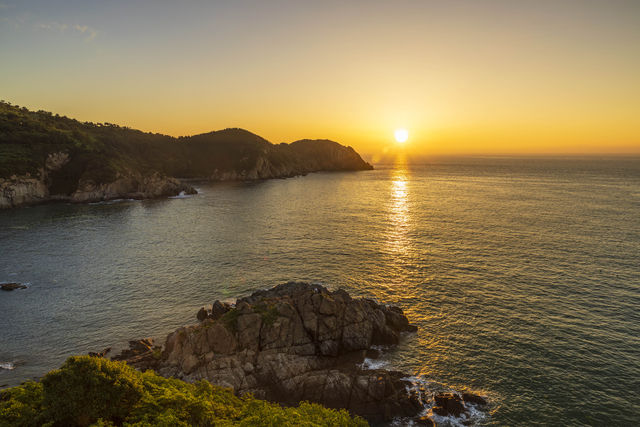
column 98, row 392
column 87, row 388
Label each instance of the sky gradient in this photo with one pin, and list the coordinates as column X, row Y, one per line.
column 464, row 77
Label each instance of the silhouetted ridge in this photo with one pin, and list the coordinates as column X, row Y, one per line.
column 45, row 156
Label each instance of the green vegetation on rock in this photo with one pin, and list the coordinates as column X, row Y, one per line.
column 269, row 313
column 95, row 391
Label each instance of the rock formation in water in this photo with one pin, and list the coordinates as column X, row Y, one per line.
column 12, row 286
column 291, row 343
column 45, row 158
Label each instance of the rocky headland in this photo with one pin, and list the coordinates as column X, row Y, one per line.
column 301, row 342
column 45, row 157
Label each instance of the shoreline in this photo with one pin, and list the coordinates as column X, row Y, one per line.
column 25, row 191
column 301, row 342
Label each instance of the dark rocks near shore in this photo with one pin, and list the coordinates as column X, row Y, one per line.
column 448, row 404
column 453, row 404
column 12, row 286
column 474, row 398
column 142, row 354
column 219, row 309
column 296, row 342
column 202, row 314
column 102, row 353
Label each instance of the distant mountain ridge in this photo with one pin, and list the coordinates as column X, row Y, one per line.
column 45, row 157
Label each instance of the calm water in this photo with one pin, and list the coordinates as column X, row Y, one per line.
column 523, row 275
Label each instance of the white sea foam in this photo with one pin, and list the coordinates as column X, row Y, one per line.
column 182, row 195
column 425, row 390
column 7, row 365
column 373, row 364
column 113, row 201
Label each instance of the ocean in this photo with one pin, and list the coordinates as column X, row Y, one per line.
column 522, row 274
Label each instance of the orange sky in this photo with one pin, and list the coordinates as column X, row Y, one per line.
column 464, row 77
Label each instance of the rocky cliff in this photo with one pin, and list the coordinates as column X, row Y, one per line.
column 297, row 342
column 27, row 190
column 45, row 157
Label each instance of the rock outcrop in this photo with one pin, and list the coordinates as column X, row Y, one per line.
column 298, row 342
column 22, row 190
column 130, row 186
column 291, row 343
column 28, row 190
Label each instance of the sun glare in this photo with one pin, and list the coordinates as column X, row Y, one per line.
column 401, row 135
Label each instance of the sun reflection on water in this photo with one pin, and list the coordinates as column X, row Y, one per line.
column 398, row 212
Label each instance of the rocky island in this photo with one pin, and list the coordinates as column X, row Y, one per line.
column 46, row 157
column 300, row 342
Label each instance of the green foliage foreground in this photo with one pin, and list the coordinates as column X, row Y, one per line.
column 95, row 391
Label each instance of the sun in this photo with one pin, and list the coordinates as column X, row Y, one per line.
column 401, row 135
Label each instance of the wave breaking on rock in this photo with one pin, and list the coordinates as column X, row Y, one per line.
column 297, row 342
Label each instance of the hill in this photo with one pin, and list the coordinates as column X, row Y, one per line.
column 46, row 157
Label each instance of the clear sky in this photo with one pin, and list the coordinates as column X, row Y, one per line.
column 464, row 77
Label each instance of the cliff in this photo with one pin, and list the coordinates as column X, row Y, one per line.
column 46, row 157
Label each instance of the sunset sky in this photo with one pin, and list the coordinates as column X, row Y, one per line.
column 464, row 77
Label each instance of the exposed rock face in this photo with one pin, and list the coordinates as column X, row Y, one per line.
column 130, row 186
column 23, row 190
column 297, row 158
column 295, row 342
column 26, row 190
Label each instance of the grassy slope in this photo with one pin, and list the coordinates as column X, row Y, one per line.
column 94, row 391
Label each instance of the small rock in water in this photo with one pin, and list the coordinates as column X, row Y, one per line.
column 448, row 404
column 12, row 286
column 474, row 398
column 7, row 365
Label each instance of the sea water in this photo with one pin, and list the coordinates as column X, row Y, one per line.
column 522, row 274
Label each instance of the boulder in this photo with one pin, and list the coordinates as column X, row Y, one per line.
column 474, row 398
column 202, row 314
column 219, row 309
column 12, row 286
column 448, row 404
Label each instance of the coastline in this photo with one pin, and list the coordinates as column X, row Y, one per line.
column 302, row 342
column 21, row 191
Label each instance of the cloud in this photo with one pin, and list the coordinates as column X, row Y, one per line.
column 84, row 30
column 53, row 26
